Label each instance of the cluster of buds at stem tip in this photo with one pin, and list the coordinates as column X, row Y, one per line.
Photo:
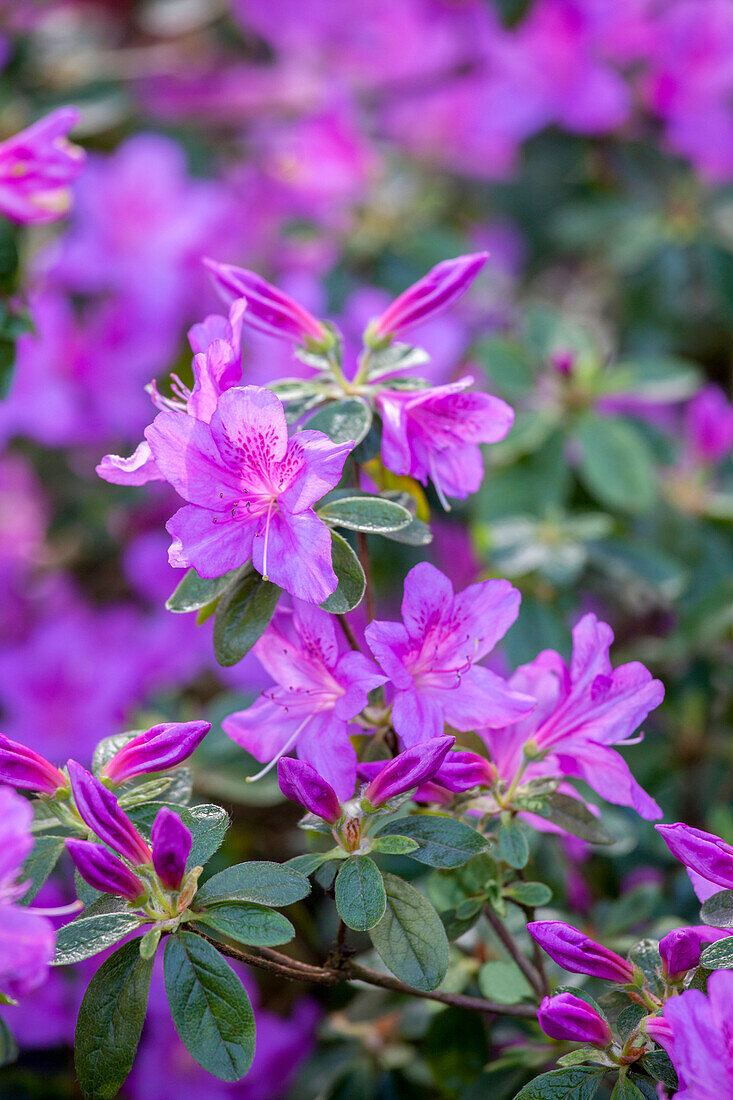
column 301, row 783
column 443, row 285
column 99, row 810
column 27, row 770
column 566, row 1016
column 576, row 952
column 269, row 309
column 156, row 750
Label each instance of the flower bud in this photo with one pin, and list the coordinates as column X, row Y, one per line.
column 156, row 750
column 682, row 947
column 99, row 809
column 171, row 847
column 27, row 770
column 408, row 770
column 103, row 871
column 300, row 782
column 269, row 309
column 579, row 954
column 461, row 771
column 702, row 852
column 440, row 288
column 660, row 1030
column 566, row 1016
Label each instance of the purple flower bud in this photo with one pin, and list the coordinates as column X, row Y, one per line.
column 300, row 782
column 269, row 310
column 98, row 808
column 702, row 852
column 171, row 846
column 441, row 287
column 681, row 948
column 103, row 871
column 156, row 750
column 660, row 1030
column 566, row 1016
column 27, row 770
column 576, row 952
column 460, row 771
column 408, row 770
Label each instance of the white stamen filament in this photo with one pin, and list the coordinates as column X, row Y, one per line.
column 437, row 486
column 288, row 745
column 58, row 911
column 267, row 536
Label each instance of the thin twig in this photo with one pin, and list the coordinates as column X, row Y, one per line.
column 349, row 633
column 363, row 548
column 503, row 933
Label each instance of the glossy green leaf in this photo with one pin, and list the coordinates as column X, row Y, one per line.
column 360, row 895
column 578, row 1082
column 532, row 894
column 410, row 938
column 195, row 592
column 259, row 882
column 248, row 923
column 395, row 845
column 513, row 843
column 371, row 514
column 343, row 420
column 719, row 955
column 442, row 841
column 351, row 580
column 625, row 1089
column 40, row 863
column 659, row 1065
column 88, row 935
column 569, row 813
column 718, row 910
column 242, row 616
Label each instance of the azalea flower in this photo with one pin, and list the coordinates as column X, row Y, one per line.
column 316, row 693
column 36, row 168
column 697, row 1039
column 435, row 434
column 250, row 492
column 431, row 657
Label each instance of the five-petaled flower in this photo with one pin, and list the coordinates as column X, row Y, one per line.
column 250, row 492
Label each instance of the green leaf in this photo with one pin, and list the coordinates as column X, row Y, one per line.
column 351, row 580
column 372, row 514
column 308, row 863
column 410, row 938
column 242, row 615
column 88, row 935
column 195, row 592
column 581, row 1055
column 501, row 980
column 629, row 1019
column 718, row 956
column 395, row 845
column 655, row 379
column 645, row 955
column 616, row 465
column 360, row 895
column 578, row 1082
column 532, row 894
column 513, row 844
column 247, row 923
column 209, row 1006
column 658, row 1065
column 261, row 883
column 207, row 823
column 110, row 1022
column 442, row 842
column 566, row 812
column 343, row 420
column 395, row 357
column 718, row 910
column 625, row 1089
column 8, row 1045
column 148, row 944
column 40, row 863
column 416, row 533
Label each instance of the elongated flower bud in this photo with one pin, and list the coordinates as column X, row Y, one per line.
column 156, row 750
column 460, row 771
column 579, row 954
column 300, row 782
column 269, row 309
column 703, row 852
column 103, row 871
column 27, row 770
column 171, row 846
column 566, row 1016
column 443, row 285
column 408, row 770
column 99, row 809
column 682, row 947
column 660, row 1030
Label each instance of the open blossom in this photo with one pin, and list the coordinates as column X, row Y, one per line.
column 155, row 750
column 443, row 285
column 431, row 657
column 578, row 953
column 700, row 1041
column 269, row 309
column 100, row 811
column 36, row 168
column 316, row 693
column 566, row 1016
column 250, row 492
column 582, row 710
column 27, row 940
column 27, row 770
column 435, row 434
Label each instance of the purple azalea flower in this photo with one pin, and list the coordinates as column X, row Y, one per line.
column 431, row 657
column 317, row 691
column 699, row 1045
column 171, row 842
column 100, row 811
column 158, row 749
column 269, row 309
column 26, row 769
column 408, row 769
column 709, row 426
column 27, row 940
column 703, row 854
column 566, row 1016
column 36, row 168
column 443, row 285
column 300, row 782
column 250, row 492
column 435, row 434
column 576, row 952
column 582, row 710
column 104, row 871
column 681, row 948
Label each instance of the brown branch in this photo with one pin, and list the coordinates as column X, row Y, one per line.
column 349, row 633
column 530, row 972
column 363, row 548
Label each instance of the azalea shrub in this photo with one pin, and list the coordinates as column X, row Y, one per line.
column 365, row 526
